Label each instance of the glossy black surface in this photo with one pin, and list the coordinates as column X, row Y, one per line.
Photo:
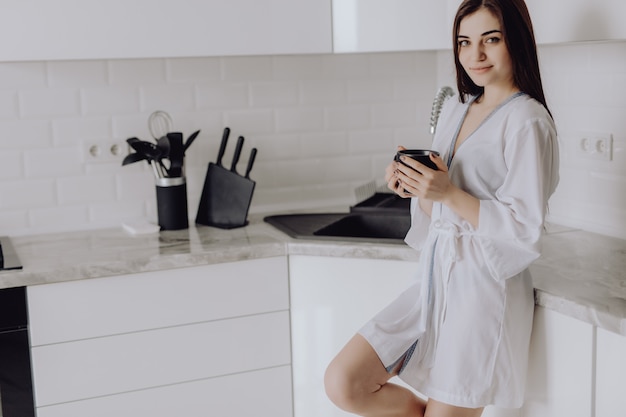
column 382, row 218
column 15, row 370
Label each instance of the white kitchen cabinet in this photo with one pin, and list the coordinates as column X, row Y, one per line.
column 610, row 373
column 117, row 342
column 560, row 378
column 559, row 21
column 392, row 25
column 238, row 395
column 97, row 29
column 331, row 298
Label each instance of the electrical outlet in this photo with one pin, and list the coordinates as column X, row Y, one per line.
column 594, row 145
column 105, row 150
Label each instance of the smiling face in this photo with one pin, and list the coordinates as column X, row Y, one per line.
column 482, row 51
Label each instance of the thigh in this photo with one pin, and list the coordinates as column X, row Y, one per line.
column 359, row 364
column 439, row 409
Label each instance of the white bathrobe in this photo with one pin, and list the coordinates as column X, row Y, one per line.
column 471, row 309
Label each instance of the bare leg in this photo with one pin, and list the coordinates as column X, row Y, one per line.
column 357, row 382
column 438, row 409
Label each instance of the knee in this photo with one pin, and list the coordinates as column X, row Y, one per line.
column 340, row 388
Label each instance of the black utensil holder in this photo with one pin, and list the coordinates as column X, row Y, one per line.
column 171, row 194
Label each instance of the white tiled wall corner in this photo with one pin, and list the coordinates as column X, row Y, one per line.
column 588, row 96
column 323, row 124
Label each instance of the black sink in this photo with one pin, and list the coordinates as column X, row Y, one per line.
column 376, row 226
column 383, row 218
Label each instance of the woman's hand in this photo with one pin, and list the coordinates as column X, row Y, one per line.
column 417, row 180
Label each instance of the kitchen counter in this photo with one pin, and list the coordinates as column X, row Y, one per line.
column 581, row 274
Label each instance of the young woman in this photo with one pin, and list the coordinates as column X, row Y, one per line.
column 460, row 335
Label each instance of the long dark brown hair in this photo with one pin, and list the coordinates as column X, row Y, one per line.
column 517, row 30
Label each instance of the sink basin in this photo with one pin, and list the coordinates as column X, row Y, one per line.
column 353, row 227
column 376, row 226
column 382, row 218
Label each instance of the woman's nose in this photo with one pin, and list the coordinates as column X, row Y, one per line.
column 478, row 52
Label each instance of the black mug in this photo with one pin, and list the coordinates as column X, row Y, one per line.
column 420, row 155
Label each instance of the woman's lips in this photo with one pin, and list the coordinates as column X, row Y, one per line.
column 481, row 70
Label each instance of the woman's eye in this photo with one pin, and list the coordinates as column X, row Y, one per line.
column 463, row 42
column 493, row 40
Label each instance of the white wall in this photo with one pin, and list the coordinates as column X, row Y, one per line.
column 323, row 125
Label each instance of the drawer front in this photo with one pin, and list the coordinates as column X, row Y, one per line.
column 122, row 363
column 114, row 305
column 261, row 393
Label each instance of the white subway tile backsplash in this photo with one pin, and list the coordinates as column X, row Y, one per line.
column 55, row 162
column 193, row 69
column 110, row 100
column 133, row 72
column 297, row 68
column 168, row 97
column 346, row 66
column 371, row 142
column 11, row 165
column 392, row 65
column 323, row 124
column 77, row 74
column 393, row 114
column 275, row 147
column 268, row 94
column 13, row 221
column 319, row 145
column 246, row 122
column 370, row 91
column 217, row 96
column 299, row 119
column 324, row 92
column 86, row 189
column 25, row 134
column 73, row 131
column 348, row 117
column 49, row 103
column 54, row 219
column 8, row 104
column 113, row 211
column 17, row 75
column 247, row 68
column 135, row 183
column 27, row 194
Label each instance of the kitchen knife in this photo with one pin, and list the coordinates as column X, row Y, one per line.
column 237, row 154
column 250, row 162
column 220, row 153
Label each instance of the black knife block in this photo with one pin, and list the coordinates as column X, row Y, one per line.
column 171, row 194
column 225, row 199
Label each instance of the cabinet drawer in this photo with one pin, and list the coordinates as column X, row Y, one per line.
column 126, row 303
column 123, row 363
column 247, row 394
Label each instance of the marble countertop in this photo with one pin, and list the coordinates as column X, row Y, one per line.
column 580, row 274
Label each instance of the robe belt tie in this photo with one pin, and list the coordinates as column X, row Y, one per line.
column 445, row 239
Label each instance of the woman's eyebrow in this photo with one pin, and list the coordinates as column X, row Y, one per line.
column 489, row 32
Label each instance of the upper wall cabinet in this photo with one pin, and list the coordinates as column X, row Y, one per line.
column 560, row 21
column 392, row 25
column 98, row 29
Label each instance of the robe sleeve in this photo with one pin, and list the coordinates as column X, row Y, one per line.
column 420, row 223
column 510, row 225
